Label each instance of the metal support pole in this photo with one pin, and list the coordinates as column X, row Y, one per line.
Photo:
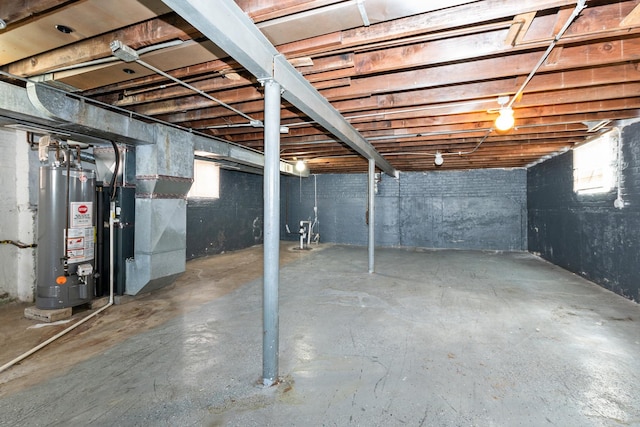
column 270, row 316
column 372, row 222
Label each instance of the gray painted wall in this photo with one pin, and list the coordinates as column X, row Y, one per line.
column 234, row 221
column 479, row 209
column 586, row 234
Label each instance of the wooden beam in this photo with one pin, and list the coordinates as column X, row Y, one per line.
column 540, row 83
column 260, row 10
column 459, row 16
column 437, row 51
column 13, row 12
column 154, row 31
column 606, row 53
column 391, row 103
column 447, row 126
column 519, row 28
column 632, row 18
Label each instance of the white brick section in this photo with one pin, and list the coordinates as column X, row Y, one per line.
column 17, row 266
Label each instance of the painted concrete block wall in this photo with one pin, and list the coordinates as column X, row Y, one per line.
column 18, row 192
column 586, row 234
column 341, row 206
column 481, row 209
column 234, row 221
column 476, row 209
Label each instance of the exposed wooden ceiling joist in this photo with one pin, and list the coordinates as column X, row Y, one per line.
column 412, row 82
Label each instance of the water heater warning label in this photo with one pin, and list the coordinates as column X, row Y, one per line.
column 80, row 244
column 80, row 238
column 81, row 214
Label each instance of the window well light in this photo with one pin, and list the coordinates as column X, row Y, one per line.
column 505, row 120
column 438, row 159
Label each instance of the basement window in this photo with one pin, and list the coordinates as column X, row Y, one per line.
column 206, row 180
column 595, row 164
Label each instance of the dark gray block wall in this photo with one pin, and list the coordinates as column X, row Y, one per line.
column 234, row 221
column 586, row 234
column 478, row 209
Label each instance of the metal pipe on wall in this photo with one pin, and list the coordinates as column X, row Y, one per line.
column 372, row 179
column 270, row 336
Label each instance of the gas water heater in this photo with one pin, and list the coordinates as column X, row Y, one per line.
column 66, row 234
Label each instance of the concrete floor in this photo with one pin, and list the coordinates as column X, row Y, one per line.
column 434, row 338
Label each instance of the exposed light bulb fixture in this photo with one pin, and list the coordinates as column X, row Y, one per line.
column 505, row 120
column 300, row 166
column 438, row 160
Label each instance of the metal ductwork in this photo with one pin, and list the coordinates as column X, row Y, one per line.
column 163, row 170
column 164, row 173
column 106, row 163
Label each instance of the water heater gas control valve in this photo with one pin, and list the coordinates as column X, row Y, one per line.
column 85, row 270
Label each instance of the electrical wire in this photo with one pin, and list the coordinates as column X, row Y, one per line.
column 116, row 171
column 580, row 5
column 459, row 153
column 110, row 59
column 195, row 89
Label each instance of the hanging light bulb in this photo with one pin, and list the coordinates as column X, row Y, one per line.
column 505, row 120
column 439, row 160
column 300, row 166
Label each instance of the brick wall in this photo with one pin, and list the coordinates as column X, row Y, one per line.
column 586, row 234
column 481, row 209
column 19, row 194
column 476, row 209
column 234, row 221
